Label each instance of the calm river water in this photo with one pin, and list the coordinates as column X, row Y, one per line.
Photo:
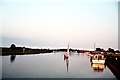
column 52, row 65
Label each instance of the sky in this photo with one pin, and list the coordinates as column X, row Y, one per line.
column 55, row 23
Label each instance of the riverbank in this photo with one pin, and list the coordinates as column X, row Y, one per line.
column 113, row 55
column 26, row 51
column 13, row 50
column 22, row 51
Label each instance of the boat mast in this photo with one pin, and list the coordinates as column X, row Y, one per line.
column 94, row 46
column 68, row 49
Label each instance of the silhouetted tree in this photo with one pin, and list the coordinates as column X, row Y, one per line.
column 12, row 46
column 117, row 51
column 98, row 49
column 111, row 50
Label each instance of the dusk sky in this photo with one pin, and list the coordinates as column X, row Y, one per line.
column 55, row 23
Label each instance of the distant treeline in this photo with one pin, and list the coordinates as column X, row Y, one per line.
column 109, row 50
column 22, row 51
column 19, row 50
column 13, row 50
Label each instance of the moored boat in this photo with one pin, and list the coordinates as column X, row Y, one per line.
column 98, row 58
column 66, row 55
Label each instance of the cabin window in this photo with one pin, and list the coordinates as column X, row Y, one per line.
column 95, row 56
column 99, row 57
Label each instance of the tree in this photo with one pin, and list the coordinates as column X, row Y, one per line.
column 98, row 49
column 111, row 50
column 13, row 46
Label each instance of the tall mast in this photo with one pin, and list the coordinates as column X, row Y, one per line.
column 68, row 49
column 94, row 46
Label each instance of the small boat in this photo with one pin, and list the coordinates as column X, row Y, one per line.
column 66, row 55
column 66, row 58
column 98, row 58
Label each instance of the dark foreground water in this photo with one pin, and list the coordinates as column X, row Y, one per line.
column 52, row 65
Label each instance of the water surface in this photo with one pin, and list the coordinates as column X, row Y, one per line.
column 52, row 65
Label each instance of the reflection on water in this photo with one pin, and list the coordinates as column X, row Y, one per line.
column 12, row 58
column 98, row 67
column 67, row 62
column 53, row 65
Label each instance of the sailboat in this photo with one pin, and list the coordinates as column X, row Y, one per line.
column 66, row 55
column 66, row 58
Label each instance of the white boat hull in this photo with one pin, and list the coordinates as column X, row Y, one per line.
column 98, row 65
column 98, row 61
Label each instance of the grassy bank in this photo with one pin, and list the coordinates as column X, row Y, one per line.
column 21, row 51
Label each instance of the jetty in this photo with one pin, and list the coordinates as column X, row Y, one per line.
column 113, row 63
